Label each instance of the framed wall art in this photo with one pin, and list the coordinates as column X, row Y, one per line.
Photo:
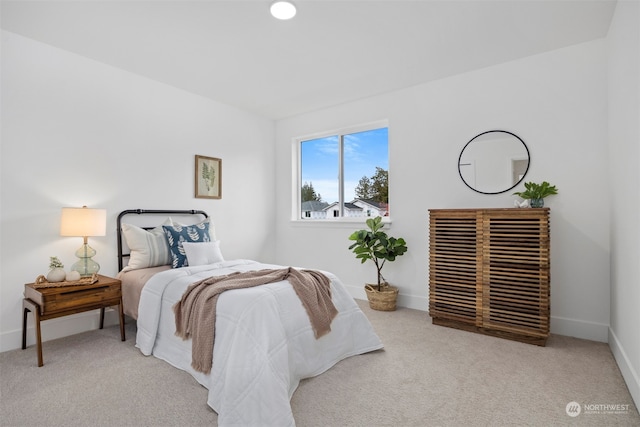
column 208, row 179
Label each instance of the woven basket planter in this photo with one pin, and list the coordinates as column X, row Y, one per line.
column 384, row 299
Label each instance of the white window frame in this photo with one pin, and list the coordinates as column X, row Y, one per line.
column 296, row 212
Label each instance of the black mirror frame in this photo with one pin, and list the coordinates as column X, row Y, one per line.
column 484, row 133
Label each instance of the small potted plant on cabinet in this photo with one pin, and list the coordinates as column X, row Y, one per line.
column 536, row 193
column 375, row 245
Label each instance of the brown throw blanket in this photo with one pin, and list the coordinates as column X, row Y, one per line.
column 195, row 313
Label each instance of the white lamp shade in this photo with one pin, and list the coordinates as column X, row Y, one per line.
column 83, row 222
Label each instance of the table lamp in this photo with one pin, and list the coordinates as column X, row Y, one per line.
column 84, row 222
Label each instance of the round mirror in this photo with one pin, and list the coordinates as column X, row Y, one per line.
column 493, row 162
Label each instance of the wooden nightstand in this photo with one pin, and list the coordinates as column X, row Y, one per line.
column 49, row 303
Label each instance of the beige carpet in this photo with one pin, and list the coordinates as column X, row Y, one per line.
column 426, row 376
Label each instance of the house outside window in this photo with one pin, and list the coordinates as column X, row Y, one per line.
column 313, row 209
column 343, row 174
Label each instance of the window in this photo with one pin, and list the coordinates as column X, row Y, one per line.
column 344, row 174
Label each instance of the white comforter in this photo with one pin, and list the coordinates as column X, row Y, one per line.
column 264, row 341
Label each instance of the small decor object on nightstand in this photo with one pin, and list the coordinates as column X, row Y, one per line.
column 536, row 193
column 56, row 270
column 43, row 282
column 72, row 276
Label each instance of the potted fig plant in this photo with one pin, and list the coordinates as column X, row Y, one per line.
column 536, row 193
column 375, row 245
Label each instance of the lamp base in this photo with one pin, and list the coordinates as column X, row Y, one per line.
column 85, row 265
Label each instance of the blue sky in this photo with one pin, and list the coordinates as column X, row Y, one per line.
column 363, row 151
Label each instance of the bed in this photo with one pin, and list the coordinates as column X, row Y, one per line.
column 264, row 341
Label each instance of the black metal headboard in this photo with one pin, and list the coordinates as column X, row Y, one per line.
column 122, row 255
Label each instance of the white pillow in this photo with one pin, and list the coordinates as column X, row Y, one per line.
column 147, row 248
column 202, row 253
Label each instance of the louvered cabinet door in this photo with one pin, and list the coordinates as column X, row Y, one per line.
column 455, row 288
column 515, row 272
column 489, row 271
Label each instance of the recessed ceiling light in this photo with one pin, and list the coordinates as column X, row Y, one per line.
column 283, row 9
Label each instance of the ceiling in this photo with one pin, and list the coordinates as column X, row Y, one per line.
column 332, row 52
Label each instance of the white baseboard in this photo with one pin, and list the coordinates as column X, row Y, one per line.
column 410, row 301
column 559, row 325
column 629, row 373
column 591, row 331
column 57, row 328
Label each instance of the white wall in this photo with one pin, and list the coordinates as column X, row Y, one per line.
column 76, row 132
column 555, row 102
column 623, row 45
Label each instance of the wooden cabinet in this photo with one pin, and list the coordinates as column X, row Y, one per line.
column 489, row 271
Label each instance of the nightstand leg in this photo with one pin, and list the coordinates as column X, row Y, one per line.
column 120, row 315
column 25, row 310
column 121, row 310
column 36, row 314
column 35, row 309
